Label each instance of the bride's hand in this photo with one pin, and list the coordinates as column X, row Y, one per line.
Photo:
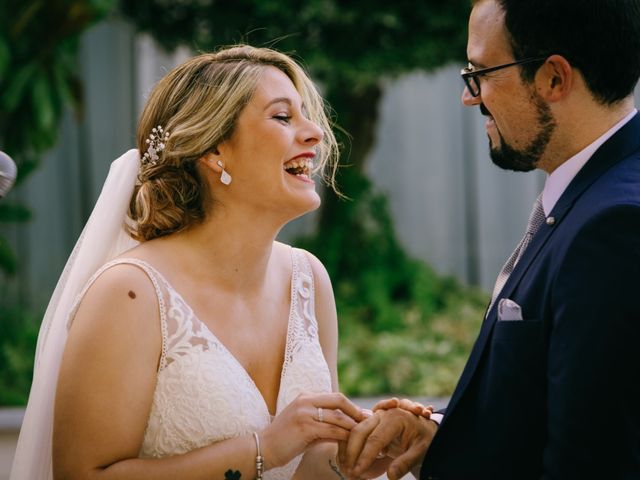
column 405, row 404
column 305, row 421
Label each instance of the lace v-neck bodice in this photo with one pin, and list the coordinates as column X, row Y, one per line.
column 203, row 394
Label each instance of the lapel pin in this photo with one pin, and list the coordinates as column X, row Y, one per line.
column 551, row 221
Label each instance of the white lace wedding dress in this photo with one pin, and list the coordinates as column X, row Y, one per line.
column 203, row 394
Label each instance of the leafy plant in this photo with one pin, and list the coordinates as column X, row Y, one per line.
column 421, row 355
column 39, row 80
column 10, row 213
column 403, row 328
column 18, row 336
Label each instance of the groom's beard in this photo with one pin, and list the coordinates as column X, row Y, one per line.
column 526, row 159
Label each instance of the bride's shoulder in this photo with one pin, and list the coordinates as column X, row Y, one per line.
column 120, row 298
column 122, row 285
column 321, row 279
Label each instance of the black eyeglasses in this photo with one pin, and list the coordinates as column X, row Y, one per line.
column 470, row 75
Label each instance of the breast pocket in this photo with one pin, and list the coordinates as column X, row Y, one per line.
column 516, row 355
column 518, row 331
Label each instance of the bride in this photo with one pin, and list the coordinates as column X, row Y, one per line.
column 196, row 346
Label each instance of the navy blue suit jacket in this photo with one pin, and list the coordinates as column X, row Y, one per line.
column 557, row 395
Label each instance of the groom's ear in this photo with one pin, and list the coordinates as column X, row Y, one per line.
column 555, row 78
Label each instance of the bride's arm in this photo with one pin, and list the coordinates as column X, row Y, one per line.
column 105, row 392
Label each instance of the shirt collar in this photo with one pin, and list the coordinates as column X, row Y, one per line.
column 561, row 177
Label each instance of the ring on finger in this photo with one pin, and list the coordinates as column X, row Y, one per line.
column 320, row 414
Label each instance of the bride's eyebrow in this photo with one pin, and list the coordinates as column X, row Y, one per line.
column 279, row 100
column 289, row 102
column 286, row 100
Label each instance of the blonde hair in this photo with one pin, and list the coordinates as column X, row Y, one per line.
column 198, row 103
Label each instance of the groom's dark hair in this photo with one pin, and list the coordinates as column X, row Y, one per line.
column 600, row 38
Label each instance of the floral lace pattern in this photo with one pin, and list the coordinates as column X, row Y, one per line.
column 204, row 395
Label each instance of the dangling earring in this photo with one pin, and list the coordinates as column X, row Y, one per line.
column 224, row 177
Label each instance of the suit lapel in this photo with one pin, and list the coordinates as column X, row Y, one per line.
column 622, row 144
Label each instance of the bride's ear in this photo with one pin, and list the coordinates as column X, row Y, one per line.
column 211, row 162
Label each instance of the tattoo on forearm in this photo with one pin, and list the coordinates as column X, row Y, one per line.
column 336, row 470
column 232, row 475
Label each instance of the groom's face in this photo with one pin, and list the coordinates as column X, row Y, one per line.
column 519, row 122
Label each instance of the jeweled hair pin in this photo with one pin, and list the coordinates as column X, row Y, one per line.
column 156, row 144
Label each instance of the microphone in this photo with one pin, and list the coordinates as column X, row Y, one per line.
column 8, row 172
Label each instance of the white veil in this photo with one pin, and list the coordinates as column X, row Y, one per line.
column 102, row 239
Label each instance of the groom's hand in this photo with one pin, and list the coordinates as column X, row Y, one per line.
column 399, row 434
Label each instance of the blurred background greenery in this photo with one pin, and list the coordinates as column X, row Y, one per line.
column 403, row 328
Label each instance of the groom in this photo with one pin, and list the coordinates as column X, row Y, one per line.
column 551, row 389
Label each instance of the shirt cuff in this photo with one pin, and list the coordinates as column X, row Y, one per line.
column 436, row 417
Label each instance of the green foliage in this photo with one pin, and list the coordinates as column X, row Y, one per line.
column 39, row 41
column 38, row 69
column 38, row 79
column 403, row 328
column 18, row 336
column 353, row 43
column 10, row 214
column 422, row 355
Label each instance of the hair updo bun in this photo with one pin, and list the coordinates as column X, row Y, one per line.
column 165, row 200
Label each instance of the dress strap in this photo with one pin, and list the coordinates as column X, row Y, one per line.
column 303, row 293
column 155, row 278
column 301, row 260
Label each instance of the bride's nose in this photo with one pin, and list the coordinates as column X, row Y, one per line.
column 310, row 133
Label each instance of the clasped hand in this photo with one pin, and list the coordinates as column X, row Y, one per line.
column 307, row 420
column 394, row 438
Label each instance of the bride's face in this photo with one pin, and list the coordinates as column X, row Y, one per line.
column 271, row 152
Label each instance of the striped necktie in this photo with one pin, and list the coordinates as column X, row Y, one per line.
column 535, row 220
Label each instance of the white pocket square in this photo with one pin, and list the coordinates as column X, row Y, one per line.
column 509, row 311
